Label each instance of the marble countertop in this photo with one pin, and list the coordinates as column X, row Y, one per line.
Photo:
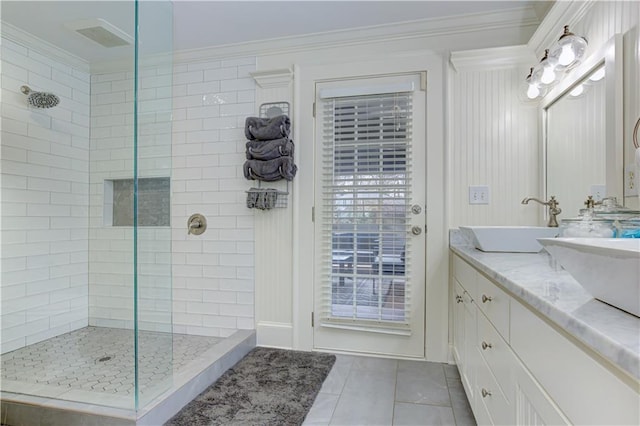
column 539, row 282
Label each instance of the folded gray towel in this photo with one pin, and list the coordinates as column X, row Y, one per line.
column 267, row 199
column 252, row 197
column 270, row 170
column 265, row 129
column 268, row 150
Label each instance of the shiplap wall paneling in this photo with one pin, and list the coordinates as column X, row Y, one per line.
column 493, row 142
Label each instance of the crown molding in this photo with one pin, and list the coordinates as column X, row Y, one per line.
column 492, row 58
column 272, row 79
column 561, row 13
column 43, row 47
column 426, row 28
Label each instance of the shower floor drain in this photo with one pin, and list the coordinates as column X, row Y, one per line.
column 104, row 358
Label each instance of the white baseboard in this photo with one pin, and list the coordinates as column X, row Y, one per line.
column 275, row 335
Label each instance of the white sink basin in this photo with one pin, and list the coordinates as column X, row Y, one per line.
column 512, row 239
column 608, row 268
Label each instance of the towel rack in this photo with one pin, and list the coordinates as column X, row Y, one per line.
column 273, row 109
column 271, row 198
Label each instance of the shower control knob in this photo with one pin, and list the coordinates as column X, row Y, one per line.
column 196, row 224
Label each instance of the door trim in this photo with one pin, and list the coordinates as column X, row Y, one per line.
column 437, row 293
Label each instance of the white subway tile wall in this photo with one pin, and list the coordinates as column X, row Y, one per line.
column 45, row 199
column 203, row 152
column 213, row 284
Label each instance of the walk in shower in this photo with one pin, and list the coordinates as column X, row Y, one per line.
column 86, row 279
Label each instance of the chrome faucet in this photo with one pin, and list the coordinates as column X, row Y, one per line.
column 554, row 210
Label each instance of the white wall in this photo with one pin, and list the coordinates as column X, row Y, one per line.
column 213, row 291
column 45, row 198
column 203, row 151
column 495, row 138
column 493, row 141
column 111, row 262
column 428, row 52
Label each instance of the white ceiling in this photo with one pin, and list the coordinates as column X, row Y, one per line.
column 198, row 24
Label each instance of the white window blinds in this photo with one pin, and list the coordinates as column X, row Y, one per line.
column 366, row 196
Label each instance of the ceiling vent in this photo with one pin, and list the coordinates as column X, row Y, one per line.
column 101, row 32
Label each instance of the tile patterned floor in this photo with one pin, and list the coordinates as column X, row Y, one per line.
column 377, row 391
column 99, row 359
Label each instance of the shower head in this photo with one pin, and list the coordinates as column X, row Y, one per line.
column 40, row 99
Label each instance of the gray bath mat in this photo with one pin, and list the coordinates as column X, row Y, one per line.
column 267, row 387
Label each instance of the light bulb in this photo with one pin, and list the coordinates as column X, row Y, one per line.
column 577, row 91
column 533, row 91
column 597, row 75
column 548, row 75
column 567, row 55
column 568, row 50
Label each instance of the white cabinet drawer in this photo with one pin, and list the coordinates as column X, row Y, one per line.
column 498, row 356
column 490, row 395
column 482, row 415
column 466, row 275
column 532, row 404
column 494, row 303
column 587, row 392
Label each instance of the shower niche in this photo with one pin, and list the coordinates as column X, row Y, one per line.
column 154, row 202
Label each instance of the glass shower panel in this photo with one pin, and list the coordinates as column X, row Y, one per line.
column 67, row 296
column 152, row 195
column 111, row 236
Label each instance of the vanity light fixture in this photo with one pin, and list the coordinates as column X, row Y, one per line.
column 545, row 71
column 565, row 54
column 533, row 90
column 569, row 49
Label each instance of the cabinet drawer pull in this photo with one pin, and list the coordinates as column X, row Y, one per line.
column 486, row 345
column 458, row 298
column 486, row 298
column 485, row 393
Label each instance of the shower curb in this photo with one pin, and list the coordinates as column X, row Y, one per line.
column 19, row 409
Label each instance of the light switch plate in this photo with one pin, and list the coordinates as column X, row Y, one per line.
column 479, row 194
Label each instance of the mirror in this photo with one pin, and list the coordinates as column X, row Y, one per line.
column 582, row 125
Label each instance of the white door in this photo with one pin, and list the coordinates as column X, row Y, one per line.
column 369, row 278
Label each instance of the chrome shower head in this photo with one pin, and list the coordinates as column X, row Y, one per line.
column 40, row 99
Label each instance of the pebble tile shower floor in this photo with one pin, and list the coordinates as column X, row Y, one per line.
column 99, row 360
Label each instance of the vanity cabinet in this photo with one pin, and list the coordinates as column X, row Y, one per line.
column 464, row 319
column 481, row 351
column 519, row 369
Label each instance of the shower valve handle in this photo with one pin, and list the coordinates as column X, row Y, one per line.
column 196, row 224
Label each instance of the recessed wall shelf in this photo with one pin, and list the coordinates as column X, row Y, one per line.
column 154, row 202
